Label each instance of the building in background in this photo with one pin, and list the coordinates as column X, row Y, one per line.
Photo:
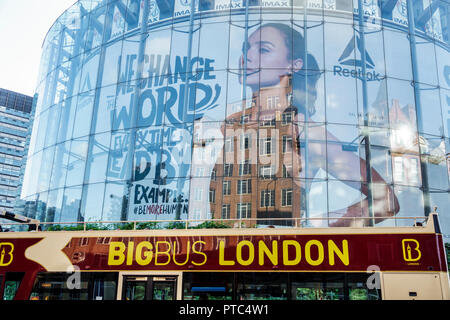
column 15, row 131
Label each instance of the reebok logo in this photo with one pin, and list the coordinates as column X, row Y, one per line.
column 348, row 58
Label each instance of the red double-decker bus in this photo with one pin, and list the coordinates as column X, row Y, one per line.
column 230, row 264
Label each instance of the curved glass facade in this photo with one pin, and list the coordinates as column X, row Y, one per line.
column 229, row 109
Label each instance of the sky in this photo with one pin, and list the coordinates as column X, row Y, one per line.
column 23, row 26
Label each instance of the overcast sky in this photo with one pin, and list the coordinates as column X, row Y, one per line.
column 23, row 26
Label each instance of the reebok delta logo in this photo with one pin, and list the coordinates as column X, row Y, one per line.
column 348, row 58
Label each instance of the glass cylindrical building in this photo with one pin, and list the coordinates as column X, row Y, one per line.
column 324, row 113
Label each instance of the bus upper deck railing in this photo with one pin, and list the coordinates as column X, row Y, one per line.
column 320, row 222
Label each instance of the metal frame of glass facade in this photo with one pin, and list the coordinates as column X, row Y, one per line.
column 126, row 110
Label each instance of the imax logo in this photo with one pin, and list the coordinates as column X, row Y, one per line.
column 348, row 58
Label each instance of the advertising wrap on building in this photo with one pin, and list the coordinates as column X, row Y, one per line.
column 256, row 113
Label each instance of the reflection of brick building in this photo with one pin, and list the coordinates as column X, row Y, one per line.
column 259, row 160
column 87, row 251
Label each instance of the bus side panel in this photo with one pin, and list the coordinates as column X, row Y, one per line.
column 412, row 286
column 445, row 283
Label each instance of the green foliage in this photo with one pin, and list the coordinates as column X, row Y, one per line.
column 176, row 225
column 211, row 225
column 138, row 226
column 77, row 227
column 147, row 226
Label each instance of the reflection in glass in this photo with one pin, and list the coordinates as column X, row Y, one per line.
column 397, row 54
column 411, row 204
column 92, row 202
column 116, row 201
column 268, row 128
column 71, row 204
column 77, row 162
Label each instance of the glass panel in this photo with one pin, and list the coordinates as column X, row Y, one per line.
column 119, row 162
column 426, row 66
column 443, row 66
column 121, row 116
column 67, row 119
column 59, row 169
column 377, row 103
column 341, row 98
column 41, row 205
column 217, row 55
column 128, row 60
column 92, row 202
column 105, row 109
column 116, row 201
column 431, row 122
column 357, row 288
column 208, row 286
column 71, row 204
column 397, row 54
column 312, row 150
column 164, row 290
column 314, row 198
column 157, row 51
column 43, row 122
column 55, row 198
column 199, row 200
column 98, row 157
column 433, row 154
column 411, row 204
column 54, row 114
column 112, row 59
column 154, row 200
column 12, row 283
column 346, row 202
column 343, row 152
column 135, row 290
column 45, row 169
column 96, row 26
column 77, row 162
column 439, row 199
column 340, row 53
column 406, row 169
column 402, row 116
column 445, row 105
column 82, row 123
column 57, row 286
column 317, row 286
column 88, row 79
column 261, row 286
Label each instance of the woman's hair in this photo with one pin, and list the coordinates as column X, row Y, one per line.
column 304, row 81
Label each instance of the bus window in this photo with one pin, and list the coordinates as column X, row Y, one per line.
column 149, row 287
column 208, row 285
column 135, row 288
column 262, row 286
column 320, row 286
column 358, row 290
column 81, row 286
column 12, row 283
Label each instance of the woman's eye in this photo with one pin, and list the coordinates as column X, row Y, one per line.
column 264, row 50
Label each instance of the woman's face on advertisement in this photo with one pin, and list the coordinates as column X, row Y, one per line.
column 267, row 57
